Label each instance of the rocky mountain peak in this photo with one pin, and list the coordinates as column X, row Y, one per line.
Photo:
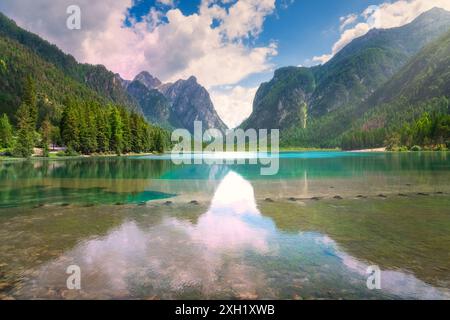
column 148, row 80
column 179, row 103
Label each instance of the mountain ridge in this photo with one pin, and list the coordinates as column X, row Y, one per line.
column 333, row 91
column 175, row 105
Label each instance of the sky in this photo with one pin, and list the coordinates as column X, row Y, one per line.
column 230, row 46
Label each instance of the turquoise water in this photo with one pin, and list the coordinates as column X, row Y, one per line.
column 145, row 228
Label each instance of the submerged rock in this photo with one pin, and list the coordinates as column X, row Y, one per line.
column 422, row 194
column 269, row 200
column 194, row 202
column 382, row 196
column 338, row 197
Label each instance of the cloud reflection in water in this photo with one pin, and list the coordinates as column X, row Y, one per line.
column 214, row 257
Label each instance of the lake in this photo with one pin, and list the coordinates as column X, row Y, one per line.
column 145, row 228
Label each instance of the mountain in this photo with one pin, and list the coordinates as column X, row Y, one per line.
column 155, row 107
column 59, row 75
column 277, row 103
column 64, row 69
column 191, row 102
column 422, row 85
column 82, row 107
column 175, row 105
column 148, row 80
column 333, row 92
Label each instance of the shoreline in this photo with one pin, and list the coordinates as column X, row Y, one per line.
column 56, row 158
column 369, row 150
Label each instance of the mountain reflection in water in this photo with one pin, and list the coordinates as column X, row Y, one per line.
column 230, row 251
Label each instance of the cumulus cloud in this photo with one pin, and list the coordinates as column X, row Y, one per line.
column 245, row 18
column 212, row 44
column 177, row 47
column 348, row 20
column 233, row 104
column 48, row 19
column 384, row 16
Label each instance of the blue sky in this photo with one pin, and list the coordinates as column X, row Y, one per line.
column 302, row 29
column 231, row 46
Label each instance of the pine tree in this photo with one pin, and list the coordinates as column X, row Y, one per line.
column 25, row 133
column 158, row 141
column 46, row 132
column 70, row 131
column 116, row 142
column 30, row 100
column 55, row 136
column 137, row 133
column 103, row 132
column 126, row 130
column 88, row 132
column 6, row 132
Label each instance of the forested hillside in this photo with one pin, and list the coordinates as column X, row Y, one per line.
column 47, row 98
column 413, row 107
column 330, row 105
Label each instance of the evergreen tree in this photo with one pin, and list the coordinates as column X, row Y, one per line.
column 126, row 131
column 158, row 141
column 137, row 134
column 103, row 132
column 116, row 142
column 30, row 100
column 88, row 132
column 55, row 136
column 6, row 132
column 25, row 133
column 70, row 131
column 46, row 132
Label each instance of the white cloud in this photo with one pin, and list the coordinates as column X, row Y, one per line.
column 233, row 104
column 245, row 18
column 386, row 15
column 172, row 48
column 169, row 3
column 348, row 20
